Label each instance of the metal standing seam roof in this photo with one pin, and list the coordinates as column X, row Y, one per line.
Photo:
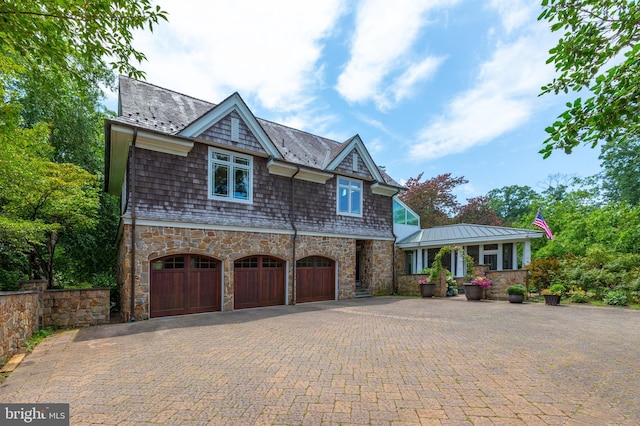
column 464, row 233
column 164, row 111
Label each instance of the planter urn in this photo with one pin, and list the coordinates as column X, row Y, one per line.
column 551, row 299
column 473, row 291
column 515, row 298
column 427, row 289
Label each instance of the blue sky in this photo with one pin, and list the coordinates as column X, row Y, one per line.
column 437, row 86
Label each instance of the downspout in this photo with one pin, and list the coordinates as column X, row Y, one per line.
column 394, row 284
column 132, row 183
column 295, row 235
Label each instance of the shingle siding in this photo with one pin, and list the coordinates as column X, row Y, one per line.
column 346, row 167
column 220, row 133
column 174, row 188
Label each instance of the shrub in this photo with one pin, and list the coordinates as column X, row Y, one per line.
column 518, row 289
column 556, row 289
column 578, row 295
column 542, row 273
column 616, row 297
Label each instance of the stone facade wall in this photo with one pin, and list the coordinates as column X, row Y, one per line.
column 76, row 308
column 408, row 284
column 153, row 242
column 18, row 320
column 500, row 280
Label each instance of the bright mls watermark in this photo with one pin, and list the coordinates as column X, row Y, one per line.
column 34, row 414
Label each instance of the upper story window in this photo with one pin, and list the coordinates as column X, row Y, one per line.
column 349, row 197
column 230, row 176
column 403, row 216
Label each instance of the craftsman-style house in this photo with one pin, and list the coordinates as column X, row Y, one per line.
column 222, row 210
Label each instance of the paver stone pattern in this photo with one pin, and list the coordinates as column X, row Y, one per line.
column 379, row 361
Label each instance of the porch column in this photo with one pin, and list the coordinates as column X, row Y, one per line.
column 419, row 266
column 460, row 263
column 500, row 257
column 481, row 254
column 526, row 253
column 452, row 257
column 514, row 256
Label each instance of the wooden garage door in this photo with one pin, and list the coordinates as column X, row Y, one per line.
column 315, row 279
column 258, row 281
column 184, row 284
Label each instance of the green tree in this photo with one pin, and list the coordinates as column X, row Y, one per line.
column 620, row 163
column 41, row 200
column 75, row 36
column 598, row 51
column 513, row 202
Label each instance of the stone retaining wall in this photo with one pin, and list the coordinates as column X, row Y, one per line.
column 24, row 312
column 18, row 320
column 76, row 308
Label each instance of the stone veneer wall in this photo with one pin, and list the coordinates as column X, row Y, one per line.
column 500, row 280
column 153, row 242
column 76, row 308
column 18, row 320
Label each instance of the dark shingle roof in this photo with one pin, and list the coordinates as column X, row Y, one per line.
column 165, row 111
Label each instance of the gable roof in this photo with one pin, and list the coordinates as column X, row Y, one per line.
column 465, row 233
column 166, row 113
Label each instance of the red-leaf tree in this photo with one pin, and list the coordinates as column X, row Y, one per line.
column 478, row 211
column 433, row 199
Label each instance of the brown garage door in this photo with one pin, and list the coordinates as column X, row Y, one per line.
column 315, row 279
column 184, row 284
column 258, row 281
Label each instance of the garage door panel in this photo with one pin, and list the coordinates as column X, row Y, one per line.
column 167, row 293
column 184, row 284
column 247, row 293
column 315, row 279
column 203, row 292
column 258, row 281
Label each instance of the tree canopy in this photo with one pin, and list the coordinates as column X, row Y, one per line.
column 598, row 51
column 54, row 57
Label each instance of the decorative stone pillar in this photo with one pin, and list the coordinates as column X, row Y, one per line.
column 441, row 285
column 40, row 286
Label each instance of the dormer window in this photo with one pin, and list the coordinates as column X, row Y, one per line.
column 230, row 176
column 349, row 197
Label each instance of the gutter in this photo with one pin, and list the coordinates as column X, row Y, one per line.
column 394, row 282
column 295, row 234
column 132, row 183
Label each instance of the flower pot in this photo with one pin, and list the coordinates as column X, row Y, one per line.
column 473, row 291
column 551, row 299
column 428, row 289
column 515, row 298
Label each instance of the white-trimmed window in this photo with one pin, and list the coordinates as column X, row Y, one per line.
column 349, row 197
column 230, row 176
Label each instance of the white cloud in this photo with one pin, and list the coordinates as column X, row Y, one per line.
column 264, row 50
column 385, row 33
column 503, row 98
column 515, row 13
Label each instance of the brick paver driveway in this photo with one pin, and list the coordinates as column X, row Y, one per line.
column 385, row 360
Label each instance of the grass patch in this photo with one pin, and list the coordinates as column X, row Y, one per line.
column 38, row 337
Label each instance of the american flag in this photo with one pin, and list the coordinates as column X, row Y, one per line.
column 542, row 224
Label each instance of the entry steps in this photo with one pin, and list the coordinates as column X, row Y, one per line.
column 362, row 292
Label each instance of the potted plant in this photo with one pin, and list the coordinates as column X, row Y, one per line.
column 427, row 288
column 553, row 294
column 515, row 293
column 474, row 290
